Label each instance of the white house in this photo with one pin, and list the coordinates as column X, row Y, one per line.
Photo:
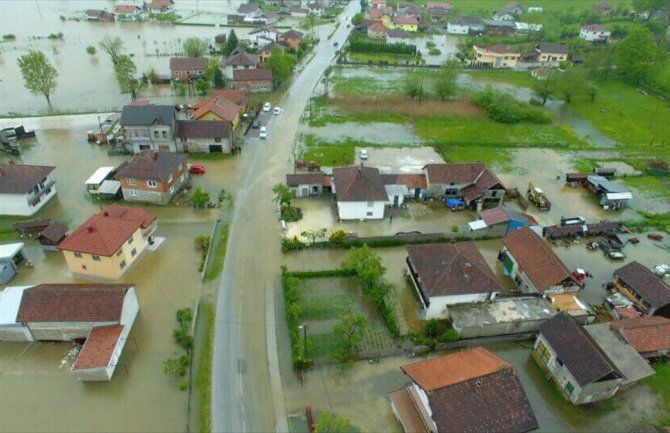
column 502, row 15
column 577, row 365
column 467, row 391
column 594, row 33
column 360, row 193
column 102, row 314
column 464, row 25
column 449, row 274
column 25, row 189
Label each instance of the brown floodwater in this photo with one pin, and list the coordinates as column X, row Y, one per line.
column 37, row 390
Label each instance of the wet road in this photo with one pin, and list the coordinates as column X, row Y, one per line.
column 246, row 393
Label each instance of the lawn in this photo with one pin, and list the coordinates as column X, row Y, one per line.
column 204, row 375
column 331, row 155
column 660, row 382
column 518, row 78
column 486, row 7
column 380, row 58
column 219, row 252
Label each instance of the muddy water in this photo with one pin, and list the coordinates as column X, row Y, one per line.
column 165, row 281
column 368, row 386
column 87, row 83
column 376, row 133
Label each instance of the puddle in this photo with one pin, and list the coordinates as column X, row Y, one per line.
column 376, row 133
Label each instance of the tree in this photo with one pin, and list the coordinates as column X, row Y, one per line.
column 202, row 86
column 348, row 333
column 445, row 84
column 591, row 90
column 329, row 423
column 218, row 80
column 231, row 43
column 413, row 86
column 571, row 83
column 90, row 50
column 151, row 75
column 39, row 75
column 199, row 198
column 599, row 64
column 465, row 53
column 545, row 87
column 113, row 47
column 635, row 55
column 126, row 72
column 365, row 5
column 357, row 19
column 283, row 194
column 281, row 64
column 366, row 264
column 650, row 6
column 195, row 47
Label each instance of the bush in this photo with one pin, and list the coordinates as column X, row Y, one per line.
column 362, row 46
column 58, row 35
column 323, row 273
column 292, row 244
column 430, row 44
column 337, row 238
column 291, row 214
column 91, row 50
column 449, row 335
column 199, row 198
column 434, row 52
column 504, row 108
column 9, row 37
column 294, row 318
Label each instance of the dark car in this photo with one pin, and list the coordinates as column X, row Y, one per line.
column 256, row 124
column 336, row 44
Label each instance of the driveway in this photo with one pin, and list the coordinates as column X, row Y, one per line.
column 246, row 393
column 399, row 160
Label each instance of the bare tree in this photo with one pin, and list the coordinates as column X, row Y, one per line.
column 113, row 47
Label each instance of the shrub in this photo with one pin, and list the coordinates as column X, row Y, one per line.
column 337, row 238
column 9, row 37
column 449, row 335
column 292, row 244
column 291, row 214
column 434, row 52
column 362, row 46
column 430, row 44
column 294, row 318
column 90, row 50
column 504, row 108
column 199, row 198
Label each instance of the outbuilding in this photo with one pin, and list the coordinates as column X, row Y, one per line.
column 11, row 256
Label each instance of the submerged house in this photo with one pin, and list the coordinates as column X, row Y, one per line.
column 473, row 182
column 25, row 189
column 100, row 315
column 449, row 274
column 307, row 184
column 469, row 391
column 532, row 264
column 360, row 193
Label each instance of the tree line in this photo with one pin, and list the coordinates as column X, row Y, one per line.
column 360, row 46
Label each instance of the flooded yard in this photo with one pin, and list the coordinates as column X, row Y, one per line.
column 376, row 133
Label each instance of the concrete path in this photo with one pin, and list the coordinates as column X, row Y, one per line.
column 244, row 389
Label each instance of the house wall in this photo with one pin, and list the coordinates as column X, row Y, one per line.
column 552, row 58
column 438, row 189
column 108, row 268
column 357, row 210
column 438, row 308
column 20, row 204
column 186, row 74
column 215, row 117
column 150, row 138
column 202, row 144
column 15, row 332
column 312, row 189
column 228, row 70
column 140, row 191
column 253, row 86
column 497, row 329
column 526, row 285
column 562, row 377
column 594, row 36
column 405, row 27
column 497, row 61
column 457, row 29
column 62, row 331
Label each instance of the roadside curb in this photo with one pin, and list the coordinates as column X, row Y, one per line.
column 281, row 423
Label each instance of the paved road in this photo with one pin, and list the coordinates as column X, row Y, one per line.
column 244, row 389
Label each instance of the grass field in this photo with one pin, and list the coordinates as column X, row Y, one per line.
column 660, row 382
column 486, row 7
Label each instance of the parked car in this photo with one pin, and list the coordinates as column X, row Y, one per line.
column 616, row 255
column 277, row 111
column 197, row 169
column 264, row 132
column 364, row 154
column 267, row 107
column 256, row 124
column 335, row 44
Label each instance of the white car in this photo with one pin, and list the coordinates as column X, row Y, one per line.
column 267, row 106
column 264, row 132
column 277, row 111
column 364, row 154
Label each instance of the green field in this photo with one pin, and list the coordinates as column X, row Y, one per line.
column 486, row 7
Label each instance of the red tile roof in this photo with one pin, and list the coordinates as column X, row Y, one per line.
column 452, row 269
column 188, row 63
column 410, row 180
column 494, row 216
column 536, row 259
column 72, row 303
column 104, row 233
column 222, row 107
column 125, row 9
column 499, row 49
column 377, row 27
column 99, row 347
column 359, row 184
column 406, row 20
column 646, row 334
column 243, row 75
column 447, row 370
column 235, row 96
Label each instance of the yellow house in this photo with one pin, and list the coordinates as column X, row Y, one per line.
column 217, row 108
column 109, row 243
column 496, row 56
column 407, row 23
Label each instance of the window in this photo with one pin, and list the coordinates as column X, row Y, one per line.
column 122, row 264
column 164, row 134
column 494, row 193
column 172, row 189
column 133, row 193
column 217, row 140
column 96, row 258
column 131, row 181
column 84, row 267
column 543, row 352
column 151, row 183
column 133, row 252
column 77, row 255
column 570, row 388
column 155, row 134
column 118, row 253
column 369, row 214
column 169, row 179
column 371, row 204
column 130, row 241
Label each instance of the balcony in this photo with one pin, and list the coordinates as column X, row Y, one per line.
column 46, row 189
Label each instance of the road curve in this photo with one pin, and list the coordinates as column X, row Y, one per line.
column 242, row 395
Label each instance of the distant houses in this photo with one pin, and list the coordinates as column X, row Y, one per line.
column 595, row 33
column 464, row 25
column 128, row 12
column 468, row 391
column 25, row 189
column 187, row 69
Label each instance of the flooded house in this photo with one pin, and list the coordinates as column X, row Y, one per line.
column 502, row 221
column 473, row 183
column 100, row 315
column 128, row 12
column 291, row 39
column 205, row 136
column 99, row 15
column 308, row 184
column 153, row 177
column 52, row 236
column 253, row 80
column 216, row 108
column 449, row 274
column 11, row 257
column 149, row 127
column 187, row 69
column 443, row 396
column 587, row 366
column 109, row 243
column 595, row 33
column 646, row 290
column 360, row 193
column 25, row 189
column 240, row 60
column 532, row 264
column 465, row 25
column 159, row 6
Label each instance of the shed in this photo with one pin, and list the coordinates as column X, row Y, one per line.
column 110, row 189
column 11, row 256
column 27, row 228
column 51, row 236
column 94, row 182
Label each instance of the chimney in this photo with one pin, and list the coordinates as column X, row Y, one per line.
column 106, row 213
column 466, row 268
column 90, row 229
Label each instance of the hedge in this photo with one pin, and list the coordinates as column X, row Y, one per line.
column 360, row 46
